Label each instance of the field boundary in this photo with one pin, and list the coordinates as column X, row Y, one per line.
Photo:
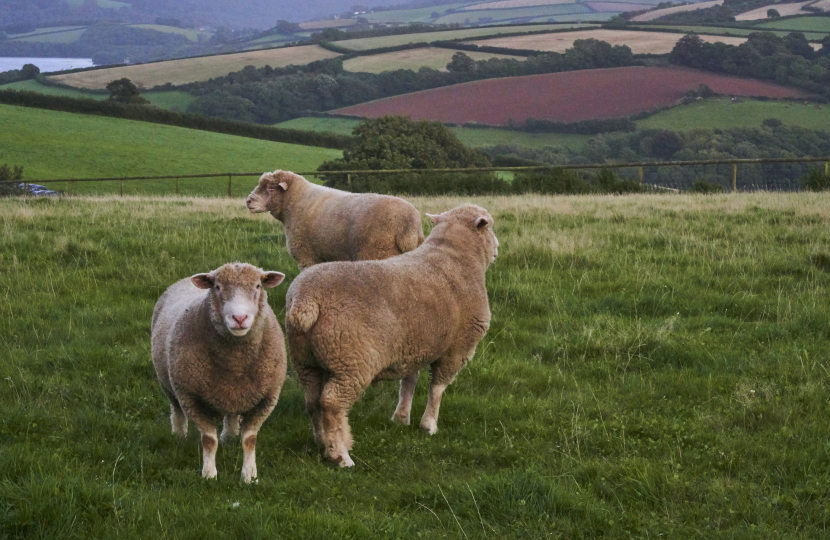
column 590, row 166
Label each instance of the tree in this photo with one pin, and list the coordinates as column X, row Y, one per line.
column 773, row 14
column 461, row 63
column 29, row 71
column 124, row 91
column 664, row 144
column 398, row 142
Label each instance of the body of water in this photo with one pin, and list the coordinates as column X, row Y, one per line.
column 45, row 64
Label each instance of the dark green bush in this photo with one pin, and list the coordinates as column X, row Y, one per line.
column 816, row 180
column 10, row 174
column 702, row 186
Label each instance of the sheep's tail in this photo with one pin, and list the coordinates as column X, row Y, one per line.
column 409, row 239
column 303, row 315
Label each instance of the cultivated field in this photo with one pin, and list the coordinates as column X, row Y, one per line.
column 519, row 14
column 615, row 93
column 414, row 59
column 189, row 70
column 822, row 4
column 656, row 367
column 471, row 136
column 65, row 145
column 783, row 9
column 710, row 31
column 639, row 42
column 334, row 23
column 364, row 44
column 724, row 114
column 800, row 24
column 651, row 15
column 507, row 4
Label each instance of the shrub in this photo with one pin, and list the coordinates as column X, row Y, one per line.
column 772, row 123
column 705, row 187
column 10, row 174
column 816, row 180
column 554, row 181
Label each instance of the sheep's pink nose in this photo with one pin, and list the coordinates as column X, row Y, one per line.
column 240, row 319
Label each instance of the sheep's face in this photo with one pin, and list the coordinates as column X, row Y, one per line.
column 269, row 195
column 236, row 293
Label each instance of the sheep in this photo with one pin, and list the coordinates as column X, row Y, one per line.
column 324, row 224
column 218, row 351
column 350, row 324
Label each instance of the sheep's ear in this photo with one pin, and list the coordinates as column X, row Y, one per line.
column 272, row 279
column 482, row 222
column 283, row 186
column 203, row 281
column 432, row 217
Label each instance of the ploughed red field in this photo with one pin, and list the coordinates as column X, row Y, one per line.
column 564, row 97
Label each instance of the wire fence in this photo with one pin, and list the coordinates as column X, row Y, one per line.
column 644, row 172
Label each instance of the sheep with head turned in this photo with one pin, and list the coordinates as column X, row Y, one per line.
column 324, row 224
column 351, row 323
column 219, row 353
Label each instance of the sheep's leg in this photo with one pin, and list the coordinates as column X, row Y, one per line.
column 230, row 427
column 339, row 394
column 441, row 374
column 178, row 420
column 251, row 422
column 404, row 408
column 312, row 380
column 210, row 441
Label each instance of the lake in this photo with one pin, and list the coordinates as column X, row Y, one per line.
column 45, row 64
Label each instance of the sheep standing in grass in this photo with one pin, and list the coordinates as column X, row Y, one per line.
column 324, row 224
column 219, row 352
column 351, row 323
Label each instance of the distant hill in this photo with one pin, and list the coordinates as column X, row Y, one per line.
column 17, row 14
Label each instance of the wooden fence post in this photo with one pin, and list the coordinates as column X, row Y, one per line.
column 177, row 186
column 229, row 185
column 640, row 173
column 349, row 181
column 121, row 188
column 734, row 178
column 827, row 168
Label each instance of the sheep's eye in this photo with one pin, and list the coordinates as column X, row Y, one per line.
column 258, row 287
column 218, row 288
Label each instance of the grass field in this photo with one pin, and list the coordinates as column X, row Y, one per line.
column 723, row 31
column 471, row 136
column 189, row 70
column 65, row 145
column 62, row 36
column 189, row 33
column 723, row 114
column 424, row 14
column 800, row 24
column 414, row 59
column 428, row 37
column 510, row 15
column 656, row 367
column 639, row 42
column 783, row 9
column 651, row 15
column 172, row 101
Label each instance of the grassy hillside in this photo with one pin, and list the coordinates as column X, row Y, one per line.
column 656, row 367
column 414, row 59
column 722, row 114
column 64, row 145
column 172, row 101
column 471, row 136
column 728, row 31
column 800, row 24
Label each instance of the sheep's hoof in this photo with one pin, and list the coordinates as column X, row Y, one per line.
column 401, row 419
column 249, row 474
column 345, row 461
column 430, row 426
column 209, row 473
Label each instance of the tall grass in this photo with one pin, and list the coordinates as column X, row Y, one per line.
column 657, row 367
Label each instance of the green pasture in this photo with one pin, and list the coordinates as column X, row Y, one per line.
column 65, row 37
column 723, row 31
column 106, row 4
column 800, row 24
column 172, row 100
column 656, row 367
column 506, row 15
column 363, row 44
column 722, row 113
column 432, row 57
column 471, row 136
column 413, row 15
column 189, row 33
column 52, row 144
